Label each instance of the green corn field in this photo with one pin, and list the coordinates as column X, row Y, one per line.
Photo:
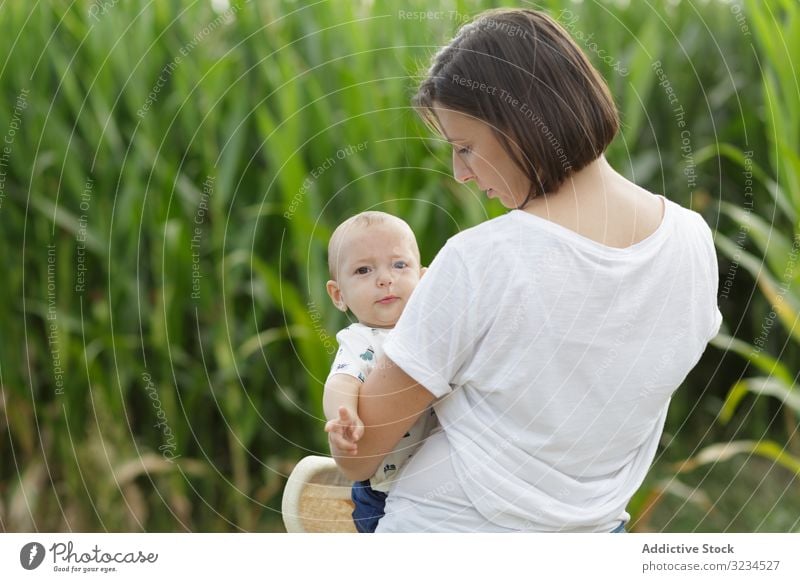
column 170, row 173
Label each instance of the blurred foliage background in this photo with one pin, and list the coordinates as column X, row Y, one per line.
column 170, row 173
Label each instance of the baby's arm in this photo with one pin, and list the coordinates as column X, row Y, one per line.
column 340, row 403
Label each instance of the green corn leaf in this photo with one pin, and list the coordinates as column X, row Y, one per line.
column 722, row 452
column 782, row 299
column 738, row 156
column 760, row 359
column 773, row 244
column 761, row 386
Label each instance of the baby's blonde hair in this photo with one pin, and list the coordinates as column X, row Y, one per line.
column 363, row 219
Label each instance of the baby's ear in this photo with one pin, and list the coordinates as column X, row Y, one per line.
column 332, row 287
column 422, row 271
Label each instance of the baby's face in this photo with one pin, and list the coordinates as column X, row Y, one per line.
column 377, row 271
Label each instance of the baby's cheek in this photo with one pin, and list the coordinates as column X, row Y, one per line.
column 411, row 282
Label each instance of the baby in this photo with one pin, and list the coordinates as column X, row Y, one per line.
column 374, row 265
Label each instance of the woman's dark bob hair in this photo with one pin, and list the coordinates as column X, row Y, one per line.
column 520, row 72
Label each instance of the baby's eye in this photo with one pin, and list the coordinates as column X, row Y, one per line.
column 464, row 151
column 400, row 264
column 362, row 270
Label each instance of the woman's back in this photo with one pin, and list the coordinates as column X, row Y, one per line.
column 560, row 354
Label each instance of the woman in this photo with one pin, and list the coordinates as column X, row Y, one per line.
column 550, row 339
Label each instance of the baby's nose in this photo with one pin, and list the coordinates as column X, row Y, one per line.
column 385, row 278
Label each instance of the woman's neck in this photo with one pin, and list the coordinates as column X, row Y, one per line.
column 600, row 204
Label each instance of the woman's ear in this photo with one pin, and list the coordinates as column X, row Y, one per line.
column 332, row 287
column 422, row 271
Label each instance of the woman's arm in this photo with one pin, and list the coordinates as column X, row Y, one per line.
column 389, row 403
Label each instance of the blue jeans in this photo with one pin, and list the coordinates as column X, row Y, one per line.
column 369, row 506
column 620, row 528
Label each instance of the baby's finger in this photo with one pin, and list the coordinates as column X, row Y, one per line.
column 343, row 445
column 344, row 415
column 340, row 442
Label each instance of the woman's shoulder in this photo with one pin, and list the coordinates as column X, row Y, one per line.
column 688, row 219
column 495, row 229
column 498, row 243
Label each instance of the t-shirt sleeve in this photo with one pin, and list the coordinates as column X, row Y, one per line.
column 353, row 355
column 436, row 332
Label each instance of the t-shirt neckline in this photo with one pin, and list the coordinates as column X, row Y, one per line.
column 597, row 247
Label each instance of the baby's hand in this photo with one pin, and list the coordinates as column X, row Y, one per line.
column 344, row 432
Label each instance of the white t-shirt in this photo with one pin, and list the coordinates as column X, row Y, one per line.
column 360, row 347
column 554, row 358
